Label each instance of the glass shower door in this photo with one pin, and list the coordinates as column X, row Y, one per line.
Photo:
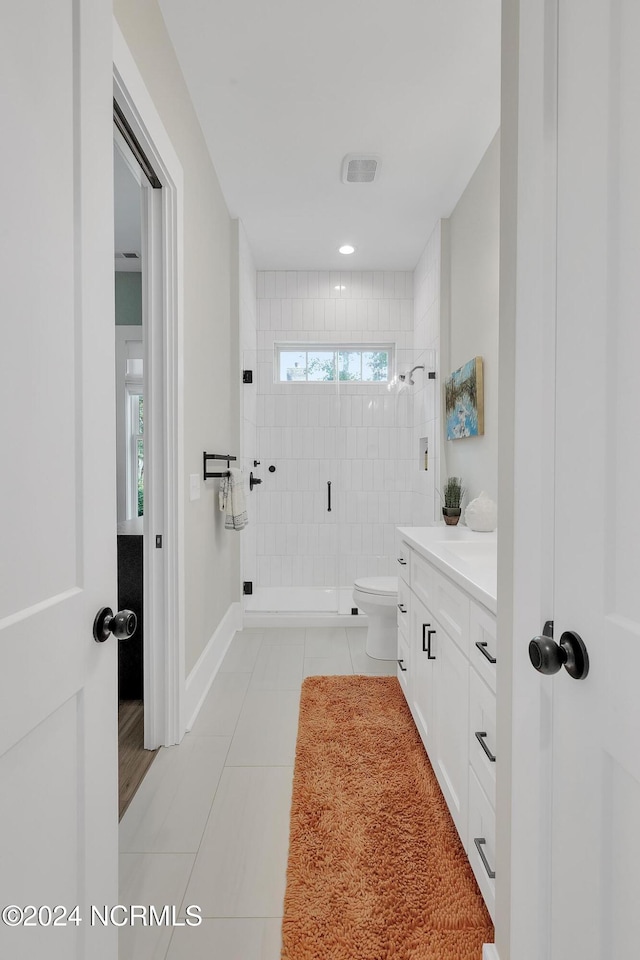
column 296, row 532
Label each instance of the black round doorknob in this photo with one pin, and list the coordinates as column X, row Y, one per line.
column 121, row 625
column 547, row 656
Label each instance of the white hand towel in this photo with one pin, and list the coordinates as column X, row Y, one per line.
column 231, row 501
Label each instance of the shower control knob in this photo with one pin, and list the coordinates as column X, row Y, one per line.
column 122, row 625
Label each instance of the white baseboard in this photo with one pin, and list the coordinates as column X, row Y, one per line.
column 257, row 618
column 203, row 674
column 489, row 952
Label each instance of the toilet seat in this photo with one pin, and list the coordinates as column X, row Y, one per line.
column 378, row 586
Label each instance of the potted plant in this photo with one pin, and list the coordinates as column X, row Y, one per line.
column 452, row 495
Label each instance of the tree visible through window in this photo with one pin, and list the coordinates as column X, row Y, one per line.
column 330, row 363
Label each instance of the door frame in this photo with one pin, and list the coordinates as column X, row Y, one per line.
column 163, row 569
column 526, row 474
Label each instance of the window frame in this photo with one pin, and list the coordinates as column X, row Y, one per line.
column 289, row 346
column 133, row 387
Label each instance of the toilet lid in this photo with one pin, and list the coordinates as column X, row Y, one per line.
column 383, row 586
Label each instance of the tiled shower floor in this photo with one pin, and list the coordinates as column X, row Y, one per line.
column 300, row 600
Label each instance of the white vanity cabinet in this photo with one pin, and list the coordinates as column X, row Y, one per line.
column 451, row 726
column 446, row 644
column 481, row 848
column 404, row 671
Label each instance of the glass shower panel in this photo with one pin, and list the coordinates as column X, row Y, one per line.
column 322, row 415
column 376, row 467
column 296, row 568
column 337, row 435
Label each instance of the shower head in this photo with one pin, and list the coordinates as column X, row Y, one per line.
column 407, row 378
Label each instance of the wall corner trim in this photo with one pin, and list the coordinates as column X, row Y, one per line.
column 199, row 681
column 489, row 952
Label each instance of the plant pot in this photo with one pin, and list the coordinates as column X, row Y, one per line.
column 451, row 515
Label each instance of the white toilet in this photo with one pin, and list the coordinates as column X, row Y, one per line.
column 378, row 598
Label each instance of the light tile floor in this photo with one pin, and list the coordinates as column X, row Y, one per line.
column 210, row 823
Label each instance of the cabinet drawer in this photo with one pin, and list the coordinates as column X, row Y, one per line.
column 422, row 579
column 404, row 606
column 403, row 562
column 450, row 606
column 482, row 841
column 482, row 734
column 404, row 664
column 483, row 644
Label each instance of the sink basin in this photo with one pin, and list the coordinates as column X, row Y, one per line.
column 473, row 549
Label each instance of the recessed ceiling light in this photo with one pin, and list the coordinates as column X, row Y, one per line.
column 340, row 286
column 346, row 249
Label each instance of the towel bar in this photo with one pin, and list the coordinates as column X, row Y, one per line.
column 216, row 456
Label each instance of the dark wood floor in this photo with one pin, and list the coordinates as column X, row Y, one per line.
column 133, row 759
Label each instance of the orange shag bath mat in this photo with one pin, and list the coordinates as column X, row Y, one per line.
column 376, row 870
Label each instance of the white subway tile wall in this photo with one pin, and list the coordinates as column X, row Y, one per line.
column 359, row 437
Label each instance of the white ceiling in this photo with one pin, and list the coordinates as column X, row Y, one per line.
column 285, row 89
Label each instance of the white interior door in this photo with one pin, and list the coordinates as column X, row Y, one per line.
column 596, row 722
column 58, row 700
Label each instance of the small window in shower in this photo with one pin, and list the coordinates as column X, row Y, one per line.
column 297, row 363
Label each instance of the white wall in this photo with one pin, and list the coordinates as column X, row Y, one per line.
column 361, row 439
column 211, row 362
column 470, row 327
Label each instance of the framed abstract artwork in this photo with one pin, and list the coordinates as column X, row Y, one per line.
column 464, row 401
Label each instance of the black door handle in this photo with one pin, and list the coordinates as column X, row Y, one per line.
column 547, row 656
column 122, row 625
column 253, row 481
column 328, row 496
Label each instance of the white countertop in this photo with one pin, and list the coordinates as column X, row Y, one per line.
column 465, row 556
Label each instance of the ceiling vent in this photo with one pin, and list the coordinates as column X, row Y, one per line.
column 360, row 168
column 129, row 256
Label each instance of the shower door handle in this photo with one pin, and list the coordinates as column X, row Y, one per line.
column 328, row 496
